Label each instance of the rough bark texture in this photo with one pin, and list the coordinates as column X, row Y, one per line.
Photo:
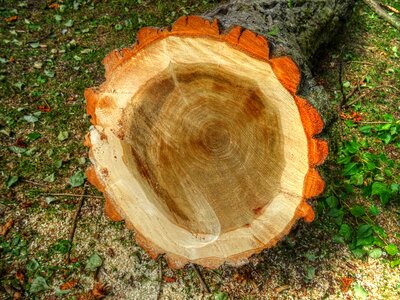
column 297, row 28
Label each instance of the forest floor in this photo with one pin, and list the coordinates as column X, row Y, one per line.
column 51, row 51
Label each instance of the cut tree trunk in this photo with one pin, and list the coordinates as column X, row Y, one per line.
column 204, row 141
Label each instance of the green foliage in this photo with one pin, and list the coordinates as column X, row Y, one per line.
column 77, row 179
column 221, row 296
column 38, row 284
column 94, row 262
column 11, row 181
column 359, row 292
column 370, row 175
column 61, row 246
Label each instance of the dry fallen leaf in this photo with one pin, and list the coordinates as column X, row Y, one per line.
column 20, row 276
column 239, row 278
column 281, row 288
column 11, row 19
column 54, row 6
column 346, row 283
column 43, row 108
column 6, row 227
column 169, row 279
column 100, row 290
column 17, row 295
column 68, row 285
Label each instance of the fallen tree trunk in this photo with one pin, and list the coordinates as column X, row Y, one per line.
column 204, row 141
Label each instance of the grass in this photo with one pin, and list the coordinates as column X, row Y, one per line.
column 51, row 53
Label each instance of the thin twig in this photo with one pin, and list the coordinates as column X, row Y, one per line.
column 369, row 92
column 202, row 282
column 75, row 221
column 362, row 62
column 374, row 122
column 353, row 91
column 35, row 183
column 160, row 277
column 382, row 13
column 343, row 101
column 41, row 38
column 391, row 8
column 72, row 195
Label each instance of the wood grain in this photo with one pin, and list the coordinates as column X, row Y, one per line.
column 202, row 145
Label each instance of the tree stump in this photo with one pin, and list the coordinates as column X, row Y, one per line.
column 202, row 141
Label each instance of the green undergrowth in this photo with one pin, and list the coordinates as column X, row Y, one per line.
column 361, row 204
column 50, row 53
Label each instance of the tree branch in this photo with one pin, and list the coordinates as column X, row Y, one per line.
column 380, row 12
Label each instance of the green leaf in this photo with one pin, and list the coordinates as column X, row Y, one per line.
column 34, row 136
column 387, row 138
column 358, row 252
column 31, row 151
column 335, row 213
column 366, row 129
column 395, row 263
column 394, row 187
column 11, row 181
column 389, row 118
column 58, row 18
column 32, row 265
column 310, row 273
column 49, row 200
column 60, row 293
column 359, row 292
column 388, row 172
column 350, row 169
column 346, row 84
column 380, row 189
column 38, row 284
column 331, row 201
column 69, row 23
column 373, row 210
column 310, row 256
column 63, row 135
column 77, row 179
column 391, row 249
column 352, row 147
column 49, row 73
column 357, row 179
column 370, row 166
column 385, row 127
column 17, row 149
column 375, row 253
column 221, row 296
column 274, row 31
column 34, row 44
column 357, row 211
column 364, row 230
column 118, row 27
column 50, row 178
column 30, row 119
column 62, row 246
column 338, row 239
column 379, row 230
column 367, row 241
column 345, row 231
column 58, row 163
column 94, row 262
